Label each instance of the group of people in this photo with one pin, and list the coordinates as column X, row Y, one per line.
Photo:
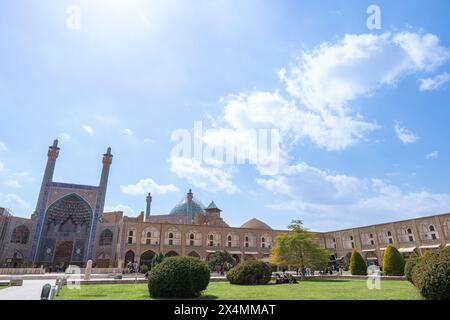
column 285, row 278
column 132, row 267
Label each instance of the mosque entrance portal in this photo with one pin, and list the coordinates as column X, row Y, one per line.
column 63, row 253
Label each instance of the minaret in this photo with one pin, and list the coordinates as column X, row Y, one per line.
column 190, row 211
column 107, row 160
column 149, row 205
column 52, row 155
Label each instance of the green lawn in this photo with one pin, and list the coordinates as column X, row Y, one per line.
column 306, row 290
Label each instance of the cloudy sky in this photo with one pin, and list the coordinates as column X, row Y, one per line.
column 362, row 114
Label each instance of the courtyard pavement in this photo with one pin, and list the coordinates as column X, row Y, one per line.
column 30, row 290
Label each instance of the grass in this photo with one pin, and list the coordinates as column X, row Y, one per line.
column 306, row 290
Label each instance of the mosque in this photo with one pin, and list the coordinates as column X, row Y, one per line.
column 69, row 227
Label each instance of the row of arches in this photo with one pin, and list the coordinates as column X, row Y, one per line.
column 173, row 237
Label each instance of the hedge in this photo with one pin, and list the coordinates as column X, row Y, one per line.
column 409, row 266
column 431, row 275
column 178, row 277
column 250, row 272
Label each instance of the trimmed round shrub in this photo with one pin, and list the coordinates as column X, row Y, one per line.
column 250, row 272
column 178, row 277
column 357, row 264
column 393, row 262
column 431, row 275
column 409, row 266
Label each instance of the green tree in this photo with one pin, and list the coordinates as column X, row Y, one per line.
column 393, row 262
column 298, row 248
column 157, row 259
column 357, row 264
column 221, row 261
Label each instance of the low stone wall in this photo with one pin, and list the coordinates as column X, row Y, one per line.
column 14, row 271
column 102, row 270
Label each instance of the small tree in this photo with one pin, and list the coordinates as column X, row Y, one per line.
column 298, row 248
column 157, row 259
column 393, row 262
column 221, row 261
column 357, row 264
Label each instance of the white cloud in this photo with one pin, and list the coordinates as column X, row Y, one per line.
column 404, row 134
column 145, row 186
column 3, row 146
column 14, row 202
column 65, row 136
column 429, row 84
column 432, row 155
column 333, row 75
column 207, row 178
column 328, row 79
column 329, row 201
column 13, row 179
column 120, row 207
column 88, row 129
column 127, row 132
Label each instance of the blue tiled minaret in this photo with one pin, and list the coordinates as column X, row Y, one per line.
column 107, row 160
column 149, row 206
column 52, row 155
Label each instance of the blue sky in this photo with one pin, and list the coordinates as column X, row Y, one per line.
column 363, row 114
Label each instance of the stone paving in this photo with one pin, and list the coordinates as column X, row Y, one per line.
column 30, row 290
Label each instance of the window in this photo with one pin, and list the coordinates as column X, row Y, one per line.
column 390, row 240
column 191, row 243
column 20, row 235
column 409, row 231
column 389, row 234
column 150, row 235
column 431, row 228
column 131, row 237
column 106, row 238
column 411, row 239
column 229, row 243
column 192, row 236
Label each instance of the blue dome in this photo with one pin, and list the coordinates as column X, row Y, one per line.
column 188, row 207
